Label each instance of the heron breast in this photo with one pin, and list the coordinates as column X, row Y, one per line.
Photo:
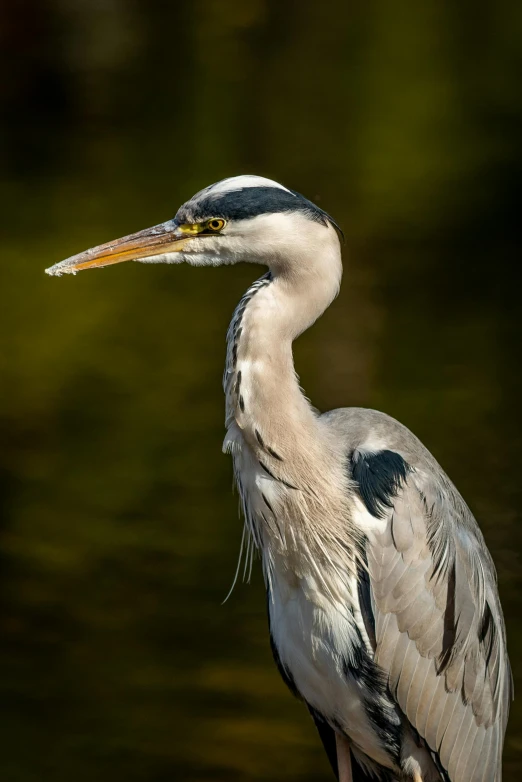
column 314, row 637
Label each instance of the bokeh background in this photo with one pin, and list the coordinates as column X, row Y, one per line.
column 119, row 534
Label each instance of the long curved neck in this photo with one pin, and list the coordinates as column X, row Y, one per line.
column 262, row 390
column 289, row 466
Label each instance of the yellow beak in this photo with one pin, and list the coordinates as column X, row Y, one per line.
column 160, row 239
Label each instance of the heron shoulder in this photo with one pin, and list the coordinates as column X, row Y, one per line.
column 373, row 431
column 371, row 434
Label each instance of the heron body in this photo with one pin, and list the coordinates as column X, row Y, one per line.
column 382, row 597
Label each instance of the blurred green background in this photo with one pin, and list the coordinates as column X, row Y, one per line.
column 119, row 534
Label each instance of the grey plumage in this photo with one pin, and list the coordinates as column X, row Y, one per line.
column 439, row 627
column 382, row 596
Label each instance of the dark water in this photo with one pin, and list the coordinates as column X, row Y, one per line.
column 119, row 533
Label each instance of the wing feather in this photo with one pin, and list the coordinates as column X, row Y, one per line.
column 407, row 674
column 493, row 762
column 452, row 724
column 460, row 754
column 466, row 730
column 425, row 701
column 483, row 770
column 413, row 698
column 396, row 667
column 476, row 758
column 385, row 652
column 436, row 710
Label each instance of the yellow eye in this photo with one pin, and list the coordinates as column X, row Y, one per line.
column 216, row 224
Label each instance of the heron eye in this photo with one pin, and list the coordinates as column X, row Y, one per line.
column 216, row 224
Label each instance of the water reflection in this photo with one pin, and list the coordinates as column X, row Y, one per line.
column 119, row 533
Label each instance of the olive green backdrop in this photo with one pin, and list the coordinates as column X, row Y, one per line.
column 119, row 533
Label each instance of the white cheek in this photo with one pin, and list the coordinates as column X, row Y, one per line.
column 204, row 257
column 164, row 258
column 215, row 251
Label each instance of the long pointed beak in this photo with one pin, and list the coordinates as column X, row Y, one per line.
column 158, row 240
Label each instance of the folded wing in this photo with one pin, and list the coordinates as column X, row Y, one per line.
column 439, row 630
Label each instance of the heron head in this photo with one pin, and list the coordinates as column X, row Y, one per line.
column 243, row 218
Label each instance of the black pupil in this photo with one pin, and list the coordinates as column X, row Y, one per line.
column 215, row 223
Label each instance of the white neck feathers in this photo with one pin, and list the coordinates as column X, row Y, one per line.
column 290, row 471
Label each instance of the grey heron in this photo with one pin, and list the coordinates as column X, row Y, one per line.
column 383, row 605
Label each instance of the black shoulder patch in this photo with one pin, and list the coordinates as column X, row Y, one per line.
column 379, row 476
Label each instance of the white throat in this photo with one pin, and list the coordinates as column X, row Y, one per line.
column 285, row 461
column 262, row 391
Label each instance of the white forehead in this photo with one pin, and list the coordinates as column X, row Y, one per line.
column 238, row 183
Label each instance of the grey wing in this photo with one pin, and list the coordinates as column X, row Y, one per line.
column 439, row 630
